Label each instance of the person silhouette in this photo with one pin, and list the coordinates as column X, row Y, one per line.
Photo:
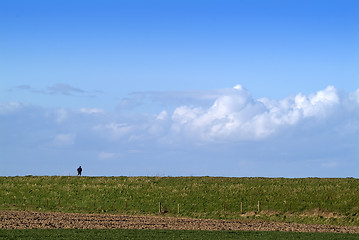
column 79, row 171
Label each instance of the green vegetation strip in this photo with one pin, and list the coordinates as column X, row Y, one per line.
column 163, row 234
column 308, row 200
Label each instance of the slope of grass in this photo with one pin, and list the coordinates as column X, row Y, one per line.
column 163, row 234
column 309, row 200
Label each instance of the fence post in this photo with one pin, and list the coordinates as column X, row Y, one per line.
column 259, row 206
column 241, row 207
column 159, row 207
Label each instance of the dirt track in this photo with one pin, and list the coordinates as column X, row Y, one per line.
column 28, row 220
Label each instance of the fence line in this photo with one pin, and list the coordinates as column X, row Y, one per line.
column 52, row 204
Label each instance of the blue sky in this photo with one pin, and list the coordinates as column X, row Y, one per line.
column 178, row 88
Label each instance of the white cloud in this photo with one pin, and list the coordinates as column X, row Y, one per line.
column 355, row 96
column 8, row 107
column 230, row 126
column 318, row 104
column 238, row 87
column 234, row 115
column 61, row 115
column 237, row 116
column 115, row 131
column 162, row 116
column 92, row 110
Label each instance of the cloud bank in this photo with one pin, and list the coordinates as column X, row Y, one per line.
column 235, row 115
column 204, row 130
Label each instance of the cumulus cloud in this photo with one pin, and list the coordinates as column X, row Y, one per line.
column 231, row 116
column 237, row 116
column 234, row 115
column 229, row 125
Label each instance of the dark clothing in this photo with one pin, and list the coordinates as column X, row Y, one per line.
column 79, row 171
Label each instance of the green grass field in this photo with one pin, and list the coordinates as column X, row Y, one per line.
column 309, row 200
column 77, row 234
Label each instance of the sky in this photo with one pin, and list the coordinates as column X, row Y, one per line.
column 249, row 88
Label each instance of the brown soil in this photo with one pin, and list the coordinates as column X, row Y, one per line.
column 29, row 220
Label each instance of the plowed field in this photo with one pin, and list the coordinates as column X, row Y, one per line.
column 48, row 220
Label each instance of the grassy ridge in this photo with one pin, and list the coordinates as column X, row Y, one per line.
column 309, row 200
column 163, row 234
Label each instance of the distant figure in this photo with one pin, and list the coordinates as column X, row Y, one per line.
column 79, row 171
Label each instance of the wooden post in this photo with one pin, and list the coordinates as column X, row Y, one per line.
column 259, row 206
column 59, row 203
column 159, row 207
column 241, row 207
column 178, row 208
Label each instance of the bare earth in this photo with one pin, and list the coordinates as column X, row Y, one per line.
column 29, row 220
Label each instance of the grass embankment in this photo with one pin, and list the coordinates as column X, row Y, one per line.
column 309, row 200
column 163, row 234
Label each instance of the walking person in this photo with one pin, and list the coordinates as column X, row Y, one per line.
column 79, row 171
